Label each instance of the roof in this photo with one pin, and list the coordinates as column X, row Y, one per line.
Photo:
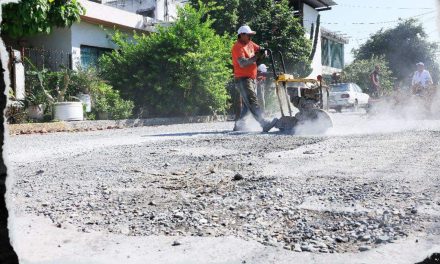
column 334, row 36
column 109, row 16
column 320, row 3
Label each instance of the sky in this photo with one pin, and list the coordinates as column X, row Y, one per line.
column 377, row 14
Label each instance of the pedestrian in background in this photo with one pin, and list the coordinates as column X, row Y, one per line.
column 261, row 85
column 375, row 89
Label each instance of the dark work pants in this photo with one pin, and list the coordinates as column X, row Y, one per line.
column 246, row 87
column 260, row 94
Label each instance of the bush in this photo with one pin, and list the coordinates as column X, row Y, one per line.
column 15, row 113
column 56, row 86
column 107, row 100
column 44, row 87
column 181, row 70
column 82, row 79
column 359, row 72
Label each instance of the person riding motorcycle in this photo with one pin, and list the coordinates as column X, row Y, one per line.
column 421, row 80
column 422, row 86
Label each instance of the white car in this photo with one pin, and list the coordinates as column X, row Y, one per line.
column 347, row 95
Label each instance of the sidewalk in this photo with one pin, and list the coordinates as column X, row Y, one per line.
column 92, row 125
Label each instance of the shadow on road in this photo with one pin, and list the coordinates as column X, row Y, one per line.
column 199, row 133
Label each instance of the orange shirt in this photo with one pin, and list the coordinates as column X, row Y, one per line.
column 240, row 50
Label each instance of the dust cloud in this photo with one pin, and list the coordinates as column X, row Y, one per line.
column 401, row 112
column 248, row 124
column 388, row 115
column 438, row 16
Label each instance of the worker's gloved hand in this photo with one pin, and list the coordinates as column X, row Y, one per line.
column 261, row 54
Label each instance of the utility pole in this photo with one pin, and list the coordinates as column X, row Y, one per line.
column 166, row 11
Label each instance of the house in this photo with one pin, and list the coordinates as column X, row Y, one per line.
column 332, row 51
column 329, row 55
column 159, row 10
column 85, row 41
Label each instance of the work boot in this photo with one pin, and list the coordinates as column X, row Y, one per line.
column 238, row 126
column 269, row 125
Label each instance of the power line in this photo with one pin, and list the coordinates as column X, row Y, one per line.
column 373, row 23
column 370, row 33
column 429, row 33
column 385, row 7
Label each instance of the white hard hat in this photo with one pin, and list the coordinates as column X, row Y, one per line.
column 420, row 63
column 245, row 30
column 262, row 68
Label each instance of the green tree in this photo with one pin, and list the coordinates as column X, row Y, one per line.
column 277, row 27
column 359, row 73
column 224, row 15
column 29, row 17
column 180, row 70
column 402, row 46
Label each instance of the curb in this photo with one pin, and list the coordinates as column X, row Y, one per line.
column 81, row 126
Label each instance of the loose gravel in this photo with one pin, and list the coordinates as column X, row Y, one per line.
column 324, row 194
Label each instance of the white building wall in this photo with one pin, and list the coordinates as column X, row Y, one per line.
column 59, row 40
column 160, row 10
column 172, row 9
column 310, row 15
column 99, row 12
column 131, row 5
column 164, row 10
column 91, row 35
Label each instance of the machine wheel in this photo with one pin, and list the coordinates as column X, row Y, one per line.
column 368, row 108
column 313, row 121
column 338, row 109
column 286, row 124
column 355, row 107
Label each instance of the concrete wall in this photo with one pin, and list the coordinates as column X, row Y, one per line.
column 58, row 40
column 98, row 13
column 20, row 92
column 310, row 15
column 161, row 12
column 50, row 51
column 131, row 5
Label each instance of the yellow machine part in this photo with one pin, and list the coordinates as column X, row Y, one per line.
column 289, row 78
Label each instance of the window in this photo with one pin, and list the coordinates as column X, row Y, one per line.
column 146, row 12
column 353, row 88
column 332, row 53
column 90, row 55
column 358, row 89
column 341, row 87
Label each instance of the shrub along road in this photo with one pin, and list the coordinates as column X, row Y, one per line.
column 365, row 190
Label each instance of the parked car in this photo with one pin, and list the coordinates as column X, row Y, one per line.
column 347, row 95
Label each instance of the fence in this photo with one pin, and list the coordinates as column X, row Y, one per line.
column 20, row 61
column 53, row 60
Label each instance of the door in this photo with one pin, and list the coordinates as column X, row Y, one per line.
column 361, row 96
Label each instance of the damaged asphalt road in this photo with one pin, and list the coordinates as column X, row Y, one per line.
column 328, row 194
